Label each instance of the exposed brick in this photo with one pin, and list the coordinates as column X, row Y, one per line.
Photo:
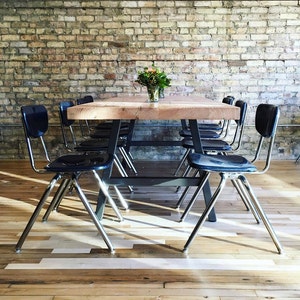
column 54, row 50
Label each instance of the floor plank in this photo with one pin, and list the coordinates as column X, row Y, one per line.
column 232, row 258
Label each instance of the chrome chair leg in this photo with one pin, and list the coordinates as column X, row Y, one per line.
column 262, row 214
column 121, row 198
column 36, row 212
column 68, row 189
column 130, row 155
column 182, row 197
column 128, row 160
column 184, row 193
column 195, row 195
column 121, row 170
column 246, row 198
column 185, row 174
column 182, row 161
column 92, row 214
column 108, row 197
column 59, row 195
column 241, row 192
column 206, row 212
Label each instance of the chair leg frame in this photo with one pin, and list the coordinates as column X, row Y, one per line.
column 121, row 198
column 36, row 212
column 255, row 207
column 195, row 195
column 245, row 198
column 56, row 200
column 182, row 197
column 261, row 213
column 128, row 160
column 92, row 214
column 110, row 200
column 121, row 170
column 59, row 195
column 64, row 187
column 184, row 193
column 206, row 212
column 241, row 192
column 183, row 159
column 185, row 174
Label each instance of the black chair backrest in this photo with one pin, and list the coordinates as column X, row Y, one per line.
column 85, row 123
column 238, row 134
column 226, row 123
column 243, row 111
column 35, row 124
column 35, row 120
column 63, row 106
column 85, row 99
column 228, row 100
column 266, row 119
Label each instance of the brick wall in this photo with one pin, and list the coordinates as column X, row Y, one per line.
column 62, row 50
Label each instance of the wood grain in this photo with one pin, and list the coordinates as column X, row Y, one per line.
column 170, row 108
column 233, row 258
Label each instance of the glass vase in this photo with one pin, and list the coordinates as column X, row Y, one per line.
column 153, row 93
column 161, row 93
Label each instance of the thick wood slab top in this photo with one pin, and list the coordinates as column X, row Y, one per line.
column 169, row 108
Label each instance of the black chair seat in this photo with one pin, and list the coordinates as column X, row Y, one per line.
column 208, row 145
column 106, row 133
column 221, row 163
column 205, row 134
column 209, row 126
column 108, row 125
column 79, row 163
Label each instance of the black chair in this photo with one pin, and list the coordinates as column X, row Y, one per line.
column 217, row 145
column 85, row 124
column 235, row 167
column 209, row 130
column 66, row 168
column 222, row 124
column 205, row 133
column 91, row 145
column 102, row 130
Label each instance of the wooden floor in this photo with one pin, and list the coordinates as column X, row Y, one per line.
column 233, row 258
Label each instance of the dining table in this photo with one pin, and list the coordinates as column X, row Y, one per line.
column 136, row 107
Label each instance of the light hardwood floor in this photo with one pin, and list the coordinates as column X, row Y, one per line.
column 233, row 258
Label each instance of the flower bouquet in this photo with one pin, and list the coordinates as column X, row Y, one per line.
column 155, row 81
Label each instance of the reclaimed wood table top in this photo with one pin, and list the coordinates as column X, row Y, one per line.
column 169, row 108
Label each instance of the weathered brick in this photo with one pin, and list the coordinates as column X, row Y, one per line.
column 56, row 44
column 63, row 49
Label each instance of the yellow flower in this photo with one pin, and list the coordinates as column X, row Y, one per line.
column 152, row 76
